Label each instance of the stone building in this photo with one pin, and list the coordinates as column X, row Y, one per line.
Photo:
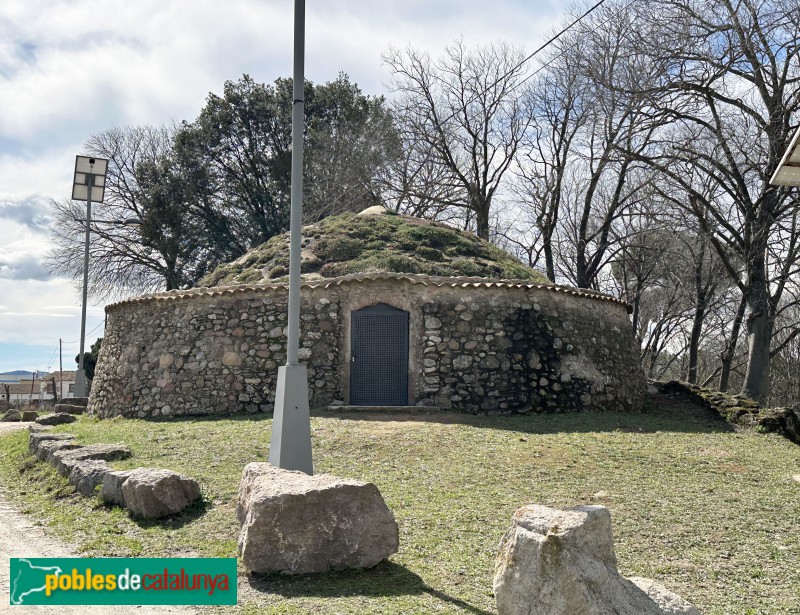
column 383, row 338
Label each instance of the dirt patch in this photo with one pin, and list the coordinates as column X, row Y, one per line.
column 9, row 427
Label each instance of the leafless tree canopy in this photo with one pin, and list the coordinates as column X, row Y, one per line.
column 462, row 119
column 121, row 263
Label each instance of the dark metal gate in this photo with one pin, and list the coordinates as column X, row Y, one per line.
column 379, row 356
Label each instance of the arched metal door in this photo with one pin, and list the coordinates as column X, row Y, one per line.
column 379, row 356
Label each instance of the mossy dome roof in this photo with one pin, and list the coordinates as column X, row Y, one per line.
column 374, row 241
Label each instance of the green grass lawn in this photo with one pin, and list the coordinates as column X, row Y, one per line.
column 712, row 513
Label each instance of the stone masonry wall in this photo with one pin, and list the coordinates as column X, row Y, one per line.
column 474, row 346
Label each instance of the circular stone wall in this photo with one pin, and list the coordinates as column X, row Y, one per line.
column 473, row 346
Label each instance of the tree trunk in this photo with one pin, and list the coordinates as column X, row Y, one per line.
column 703, row 292
column 694, row 341
column 759, row 335
column 759, row 329
column 482, row 218
column 549, row 262
column 581, row 266
column 636, row 305
column 730, row 350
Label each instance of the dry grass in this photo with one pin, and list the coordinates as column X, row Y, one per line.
column 710, row 512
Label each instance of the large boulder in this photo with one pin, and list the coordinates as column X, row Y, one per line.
column 59, row 418
column 785, row 421
column 29, row 415
column 12, row 416
column 151, row 494
column 112, row 487
column 47, row 448
column 562, row 562
column 298, row 524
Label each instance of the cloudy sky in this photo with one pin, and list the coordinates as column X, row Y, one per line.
column 70, row 69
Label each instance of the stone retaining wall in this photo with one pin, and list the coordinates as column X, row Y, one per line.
column 474, row 346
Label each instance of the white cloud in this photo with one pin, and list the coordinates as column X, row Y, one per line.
column 27, row 316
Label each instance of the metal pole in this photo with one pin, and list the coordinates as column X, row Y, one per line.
column 290, row 444
column 295, row 228
column 80, row 376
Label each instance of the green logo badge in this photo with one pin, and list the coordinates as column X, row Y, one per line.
column 131, row 581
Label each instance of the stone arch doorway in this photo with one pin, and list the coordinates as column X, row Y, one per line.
column 379, row 356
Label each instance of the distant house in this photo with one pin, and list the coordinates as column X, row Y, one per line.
column 24, row 391
column 65, row 383
column 41, row 389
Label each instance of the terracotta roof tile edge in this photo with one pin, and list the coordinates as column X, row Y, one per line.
column 413, row 278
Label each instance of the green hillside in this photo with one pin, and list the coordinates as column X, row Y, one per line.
column 357, row 243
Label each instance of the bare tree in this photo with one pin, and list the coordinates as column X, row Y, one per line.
column 416, row 185
column 145, row 182
column 465, row 114
column 786, row 359
column 559, row 104
column 731, row 94
column 580, row 173
column 119, row 263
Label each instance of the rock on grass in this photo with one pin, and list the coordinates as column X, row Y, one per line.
column 558, row 562
column 151, row 494
column 299, row 524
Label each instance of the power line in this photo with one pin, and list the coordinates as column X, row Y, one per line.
column 52, row 356
column 541, row 48
column 575, row 44
column 552, row 40
column 88, row 334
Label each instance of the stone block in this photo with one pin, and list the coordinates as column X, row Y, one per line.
column 91, row 452
column 86, row 476
column 46, row 448
column 37, row 437
column 294, row 523
column 69, row 408
column 29, row 415
column 112, row 487
column 231, row 359
column 12, row 416
column 59, row 418
column 557, row 562
column 151, row 493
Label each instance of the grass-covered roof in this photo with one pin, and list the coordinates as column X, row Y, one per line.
column 357, row 243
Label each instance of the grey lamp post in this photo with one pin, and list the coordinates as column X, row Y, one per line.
column 290, row 445
column 88, row 185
